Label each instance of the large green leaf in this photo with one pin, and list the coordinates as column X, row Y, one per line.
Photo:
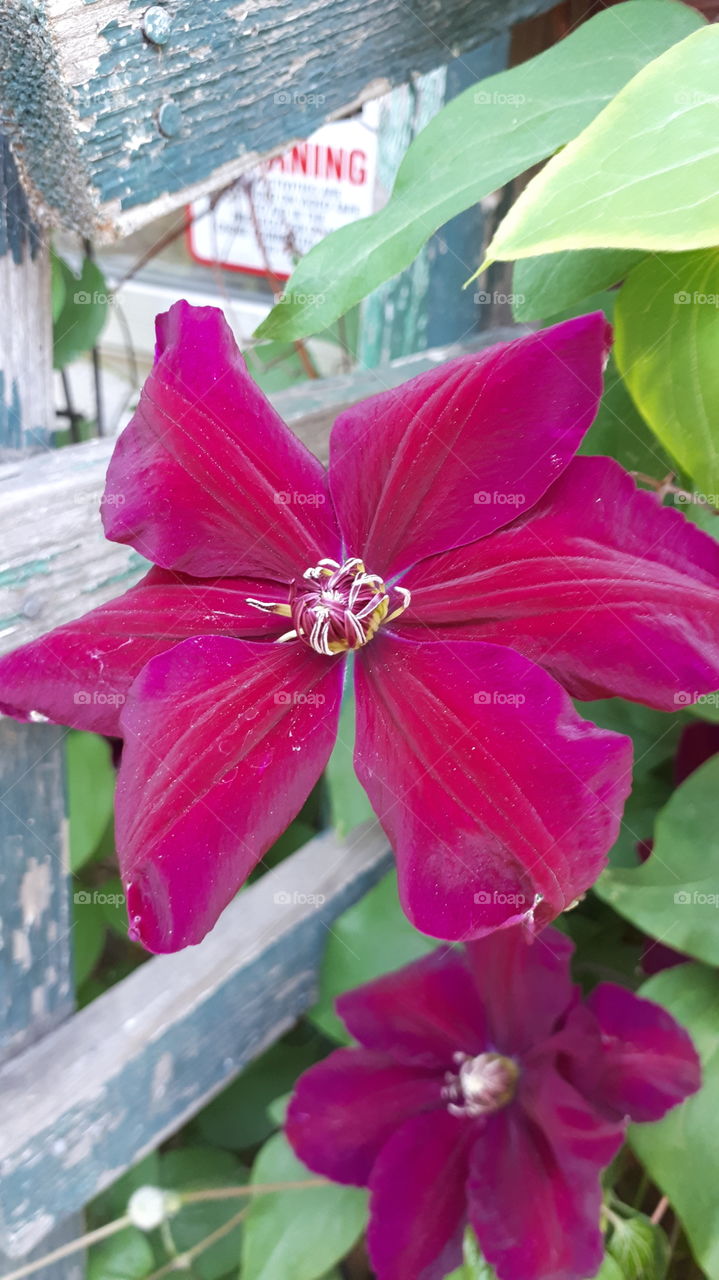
column 643, row 175
column 371, row 938
column 620, row 431
column 297, row 1234
column 239, row 1117
column 125, row 1256
column 667, row 337
column 553, row 282
column 91, row 790
column 674, row 895
column 83, row 313
column 480, row 140
column 680, row 1151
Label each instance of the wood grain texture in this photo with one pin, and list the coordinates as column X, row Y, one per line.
column 26, row 403
column 35, row 962
column 55, row 563
column 247, row 76
column 90, row 1098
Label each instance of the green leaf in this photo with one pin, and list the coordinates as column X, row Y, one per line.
column 643, row 175
column 239, row 1117
column 553, row 282
column 371, row 938
column 473, row 1265
column 655, row 735
column 680, row 1151
column 667, row 320
column 83, row 313
column 640, row 1249
column 88, row 935
column 125, row 1256
column 300, row 1233
column 674, row 895
column 483, row 138
column 91, row 791
column 194, row 1168
column 619, row 431
column 349, row 802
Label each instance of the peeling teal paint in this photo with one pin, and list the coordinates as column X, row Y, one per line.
column 224, row 69
column 17, row 577
column 12, row 433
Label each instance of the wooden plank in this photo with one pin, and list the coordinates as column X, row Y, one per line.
column 55, row 563
column 35, row 961
column 26, row 405
column 89, row 1099
column 137, row 128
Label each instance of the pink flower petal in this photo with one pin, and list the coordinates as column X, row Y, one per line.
column 499, row 800
column 418, row 1200
column 224, row 739
column 599, row 584
column 346, row 1108
column 421, row 1014
column 525, row 984
column 80, row 673
column 207, row 478
column 646, row 1063
column 457, row 452
column 534, row 1189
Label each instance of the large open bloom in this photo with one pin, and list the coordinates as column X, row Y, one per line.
column 485, row 1092
column 479, row 573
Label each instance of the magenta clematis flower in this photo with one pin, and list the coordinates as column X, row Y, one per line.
column 479, row 573
column 484, row 1092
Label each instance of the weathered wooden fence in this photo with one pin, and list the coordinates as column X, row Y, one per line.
column 112, row 112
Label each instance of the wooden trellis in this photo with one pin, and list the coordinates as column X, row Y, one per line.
column 111, row 113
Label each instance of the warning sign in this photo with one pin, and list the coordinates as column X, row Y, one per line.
column 275, row 213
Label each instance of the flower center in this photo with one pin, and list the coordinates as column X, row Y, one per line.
column 336, row 607
column 481, row 1085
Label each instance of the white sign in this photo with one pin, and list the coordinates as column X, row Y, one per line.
column 275, row 213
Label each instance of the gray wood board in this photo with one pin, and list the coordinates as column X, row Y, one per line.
column 84, row 92
column 93, row 1096
column 55, row 563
